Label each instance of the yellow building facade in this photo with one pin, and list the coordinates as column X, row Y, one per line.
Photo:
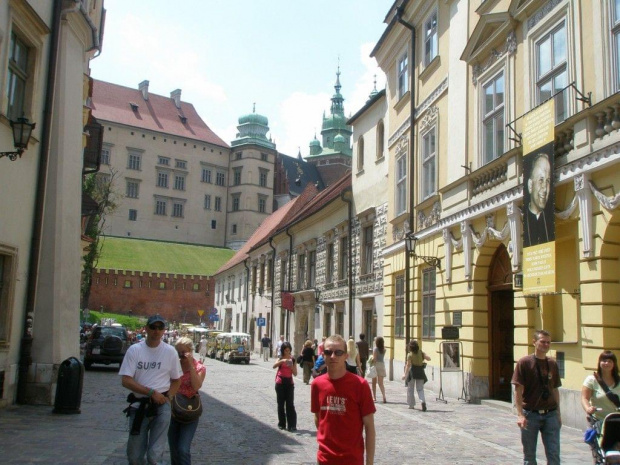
column 461, row 80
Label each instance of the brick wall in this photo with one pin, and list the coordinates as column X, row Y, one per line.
column 176, row 297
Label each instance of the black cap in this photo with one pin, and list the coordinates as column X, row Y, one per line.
column 155, row 319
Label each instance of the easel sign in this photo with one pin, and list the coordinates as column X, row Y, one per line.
column 451, row 356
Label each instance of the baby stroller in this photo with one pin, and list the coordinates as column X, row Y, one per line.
column 606, row 443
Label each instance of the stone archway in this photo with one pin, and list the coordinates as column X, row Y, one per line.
column 501, row 325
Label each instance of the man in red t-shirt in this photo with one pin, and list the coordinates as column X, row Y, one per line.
column 342, row 405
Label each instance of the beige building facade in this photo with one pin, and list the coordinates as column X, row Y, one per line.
column 45, row 49
column 478, row 70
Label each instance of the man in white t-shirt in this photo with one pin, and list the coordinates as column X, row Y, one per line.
column 152, row 371
column 279, row 346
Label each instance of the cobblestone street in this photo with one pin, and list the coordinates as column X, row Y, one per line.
column 239, row 425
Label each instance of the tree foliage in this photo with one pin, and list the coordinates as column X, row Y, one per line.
column 100, row 187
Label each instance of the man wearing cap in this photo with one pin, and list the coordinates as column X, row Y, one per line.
column 152, row 372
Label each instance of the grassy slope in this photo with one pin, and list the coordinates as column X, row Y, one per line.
column 161, row 257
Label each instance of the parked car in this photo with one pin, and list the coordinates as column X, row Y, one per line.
column 106, row 344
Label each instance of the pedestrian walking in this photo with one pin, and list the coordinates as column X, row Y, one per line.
column 537, row 398
column 265, row 343
column 353, row 360
column 319, row 350
column 279, row 347
column 180, row 434
column 307, row 360
column 362, row 350
column 202, row 348
column 152, row 372
column 285, row 388
column 414, row 376
column 377, row 355
column 343, row 410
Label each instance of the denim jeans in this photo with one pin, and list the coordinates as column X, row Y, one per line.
column 285, row 395
column 412, row 386
column 152, row 438
column 549, row 427
column 180, row 437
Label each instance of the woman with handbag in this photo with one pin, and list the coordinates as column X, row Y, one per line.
column 414, row 374
column 377, row 355
column 285, row 389
column 186, row 404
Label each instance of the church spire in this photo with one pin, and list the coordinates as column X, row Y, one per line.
column 338, row 99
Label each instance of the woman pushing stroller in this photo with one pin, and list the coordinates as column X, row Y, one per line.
column 601, row 402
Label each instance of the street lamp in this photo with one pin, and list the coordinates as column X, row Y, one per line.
column 317, row 294
column 22, row 130
column 410, row 244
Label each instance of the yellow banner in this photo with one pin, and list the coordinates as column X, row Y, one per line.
column 201, row 312
column 539, row 200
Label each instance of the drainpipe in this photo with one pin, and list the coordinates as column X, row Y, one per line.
column 273, row 284
column 408, row 290
column 350, row 258
column 25, row 352
column 247, row 302
column 290, row 277
column 79, row 7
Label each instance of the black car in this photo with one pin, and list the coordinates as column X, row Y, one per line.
column 107, row 344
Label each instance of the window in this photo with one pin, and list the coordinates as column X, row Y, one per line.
column 206, row 175
column 312, row 268
column 401, row 183
column 262, row 204
column 380, row 139
column 430, row 38
column 367, row 264
column 177, row 210
column 428, row 303
column 105, row 156
column 195, row 287
column 134, row 161
column 162, row 286
column 17, row 78
column 133, row 214
column 269, row 273
column 343, row 269
column 360, row 154
column 429, row 151
column 552, row 70
column 339, row 321
column 399, row 307
column 218, row 204
column 233, row 229
column 238, row 155
column 213, row 224
column 181, row 164
column 160, row 207
column 132, row 189
column 262, row 177
column 283, row 275
column 329, row 267
column 163, row 160
column 301, row 271
column 235, row 202
column 263, row 156
column 236, row 176
column 493, row 118
column 615, row 32
column 127, row 283
column 220, row 179
column 207, row 202
column 162, row 179
column 179, row 182
column 403, row 76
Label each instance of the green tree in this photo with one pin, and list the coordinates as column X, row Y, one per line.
column 100, row 187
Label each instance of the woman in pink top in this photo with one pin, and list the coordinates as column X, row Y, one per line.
column 285, row 389
column 180, row 435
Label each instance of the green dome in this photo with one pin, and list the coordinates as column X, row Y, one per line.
column 254, row 118
column 314, row 143
column 339, row 138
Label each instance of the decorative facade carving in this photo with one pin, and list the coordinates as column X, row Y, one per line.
column 434, row 95
column 510, row 46
column 432, row 218
column 430, row 118
column 542, row 12
column 398, row 234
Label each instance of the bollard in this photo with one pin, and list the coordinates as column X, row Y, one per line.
column 69, row 386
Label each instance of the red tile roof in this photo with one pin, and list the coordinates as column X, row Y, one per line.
column 111, row 102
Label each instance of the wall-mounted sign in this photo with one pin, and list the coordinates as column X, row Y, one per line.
column 450, row 332
column 457, row 319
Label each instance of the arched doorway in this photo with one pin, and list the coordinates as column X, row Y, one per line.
column 501, row 325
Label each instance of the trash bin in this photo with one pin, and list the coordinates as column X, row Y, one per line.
column 69, row 386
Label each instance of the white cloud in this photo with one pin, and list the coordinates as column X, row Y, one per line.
column 300, row 117
column 365, row 83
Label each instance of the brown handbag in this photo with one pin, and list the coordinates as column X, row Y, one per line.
column 186, row 409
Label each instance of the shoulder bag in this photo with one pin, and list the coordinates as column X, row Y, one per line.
column 186, row 409
column 613, row 397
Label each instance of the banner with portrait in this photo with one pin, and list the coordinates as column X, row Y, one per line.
column 538, row 200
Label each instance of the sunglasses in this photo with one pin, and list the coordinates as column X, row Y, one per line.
column 337, row 353
column 182, row 355
column 156, row 327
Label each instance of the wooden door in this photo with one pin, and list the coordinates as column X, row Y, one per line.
column 502, row 344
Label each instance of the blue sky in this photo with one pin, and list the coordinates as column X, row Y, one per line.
column 226, row 55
